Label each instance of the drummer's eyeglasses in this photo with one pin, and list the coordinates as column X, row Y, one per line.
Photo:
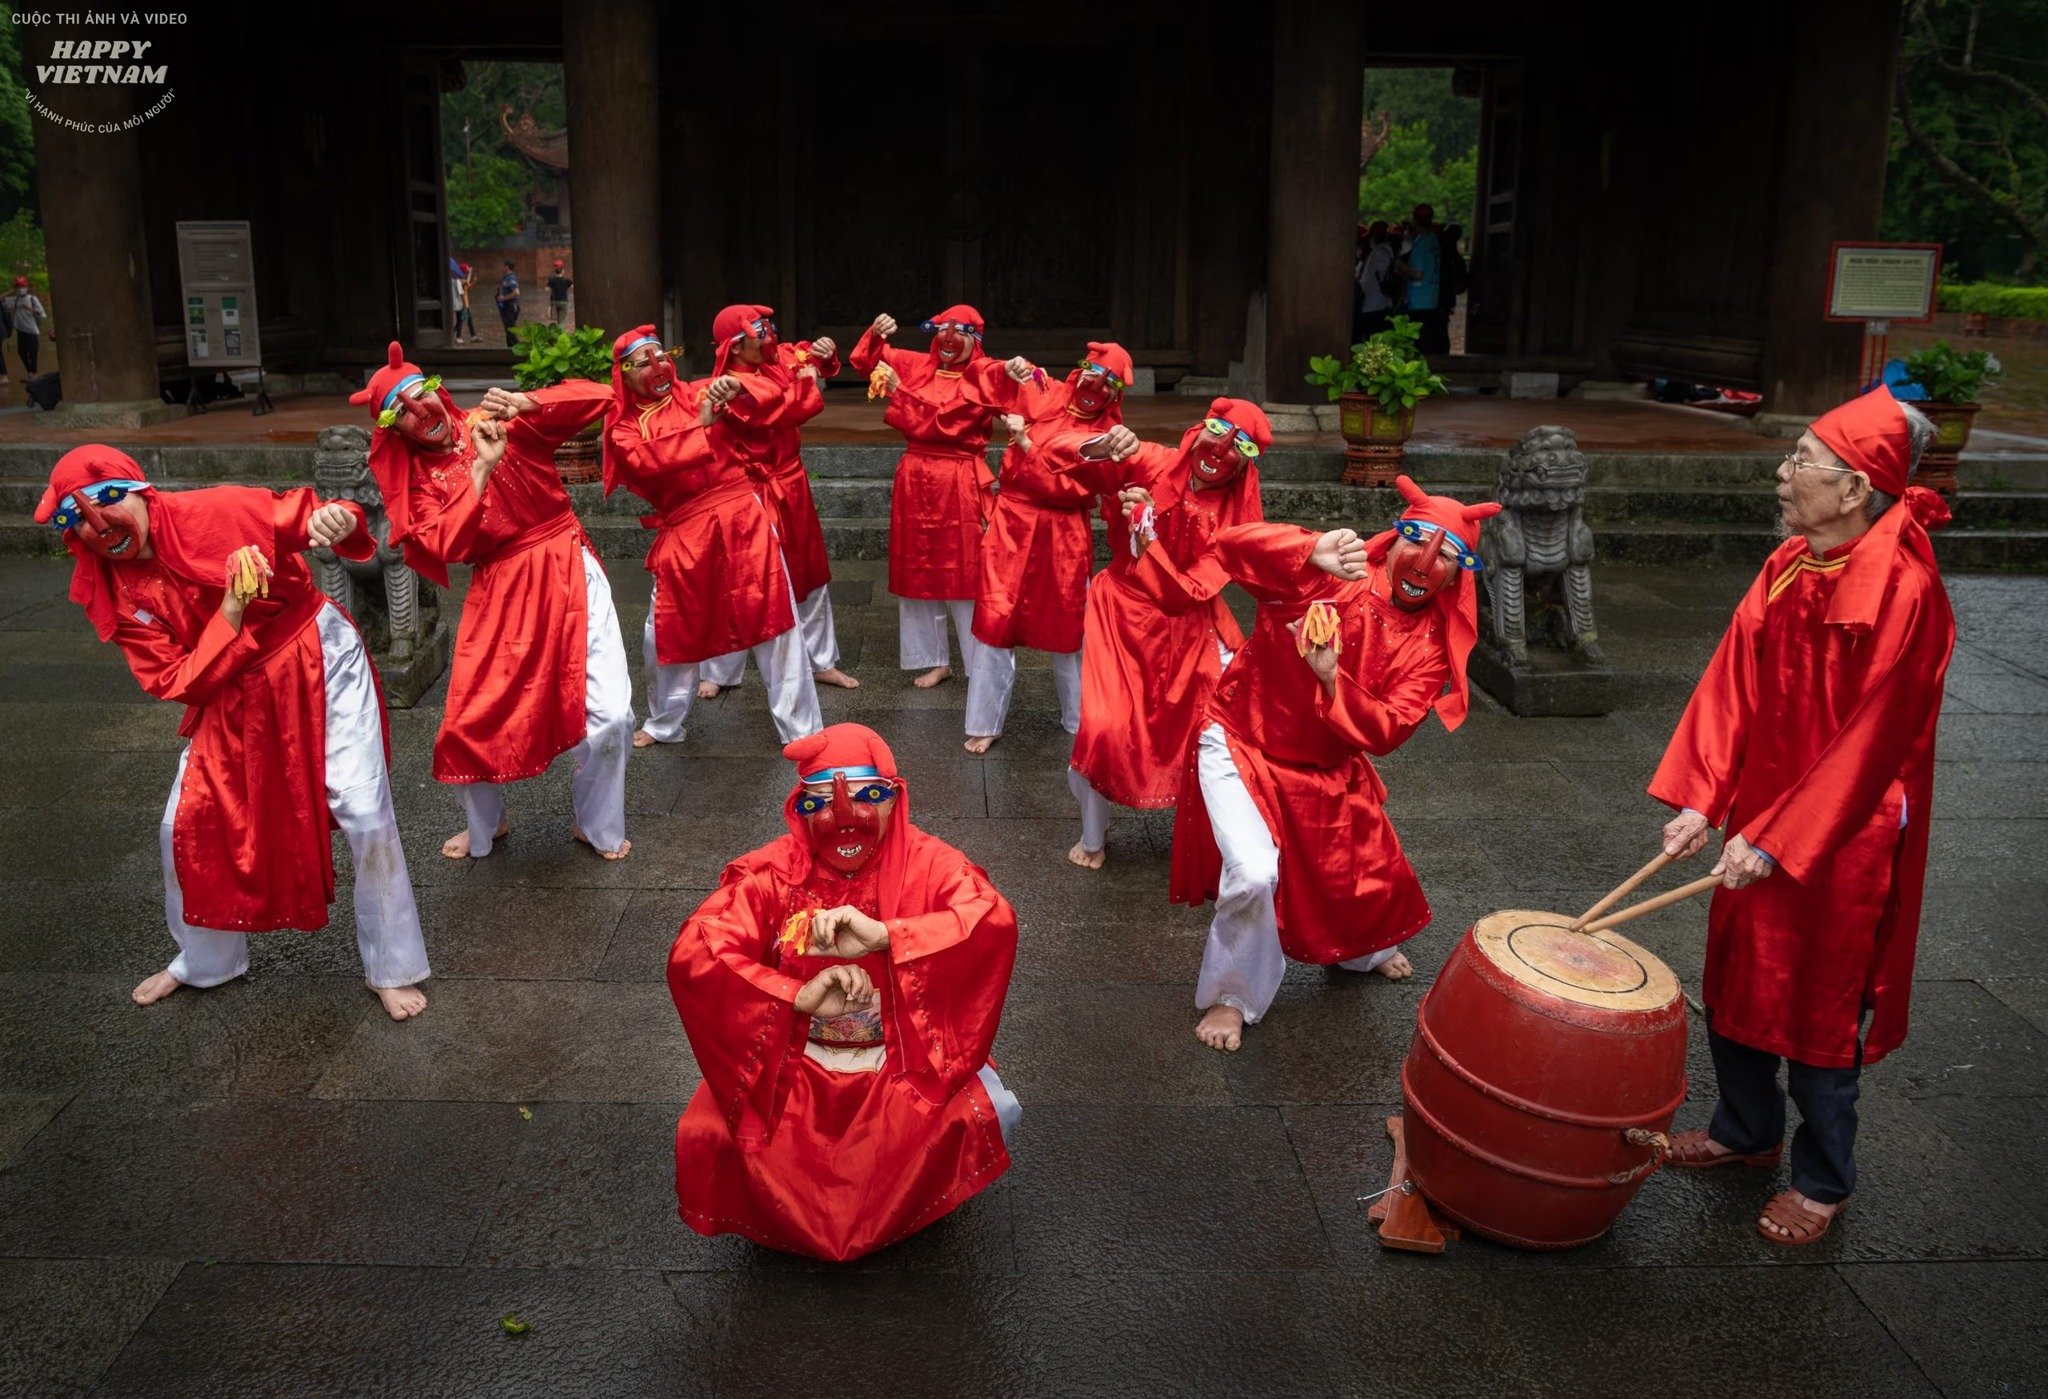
column 1416, row 532
column 1089, row 366
column 868, row 793
column 68, row 513
column 1793, row 461
column 933, row 327
column 430, row 384
column 1246, row 448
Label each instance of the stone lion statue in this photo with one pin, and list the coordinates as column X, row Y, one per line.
column 397, row 612
column 1538, row 551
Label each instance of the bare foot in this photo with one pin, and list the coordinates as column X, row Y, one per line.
column 937, row 675
column 644, row 739
column 980, row 743
column 400, row 1002
column 625, row 846
column 836, row 676
column 456, row 847
column 1087, row 859
column 1221, row 1027
column 155, row 989
column 709, row 689
column 1396, row 967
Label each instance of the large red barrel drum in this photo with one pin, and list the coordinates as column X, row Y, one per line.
column 1545, row 1069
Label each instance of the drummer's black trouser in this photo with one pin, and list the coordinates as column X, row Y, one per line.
column 1750, row 1118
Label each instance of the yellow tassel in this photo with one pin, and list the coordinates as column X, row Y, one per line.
column 1320, row 626
column 880, row 382
column 796, row 933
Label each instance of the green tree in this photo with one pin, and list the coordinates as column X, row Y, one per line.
column 1426, row 95
column 17, row 139
column 486, row 199
column 1969, row 160
column 1404, row 173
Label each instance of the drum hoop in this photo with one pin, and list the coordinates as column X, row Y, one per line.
column 1562, row 1009
column 1428, row 1040
column 1501, row 1163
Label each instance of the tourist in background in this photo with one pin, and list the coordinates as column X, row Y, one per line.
column 508, row 299
column 1425, row 284
column 558, row 295
column 22, row 312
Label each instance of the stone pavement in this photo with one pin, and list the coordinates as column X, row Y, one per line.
column 270, row 1189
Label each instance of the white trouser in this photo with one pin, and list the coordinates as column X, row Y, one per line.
column 598, row 791
column 785, row 670
column 1066, row 680
column 1009, row 1112
column 359, row 795
column 1242, row 963
column 1094, row 811
column 813, row 623
column 991, row 670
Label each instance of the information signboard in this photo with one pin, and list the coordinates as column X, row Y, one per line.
column 1883, row 281
column 218, row 281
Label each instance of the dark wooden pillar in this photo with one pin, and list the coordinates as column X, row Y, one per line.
column 610, row 75
column 91, row 190
column 1318, row 96
column 1836, row 92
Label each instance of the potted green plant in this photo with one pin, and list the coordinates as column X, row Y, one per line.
column 1376, row 390
column 548, row 355
column 1953, row 379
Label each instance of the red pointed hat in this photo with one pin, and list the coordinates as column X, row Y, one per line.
column 1111, row 356
column 728, row 328
column 1869, row 434
column 967, row 316
column 854, row 751
column 1458, row 605
column 91, row 582
column 391, row 454
column 1247, row 417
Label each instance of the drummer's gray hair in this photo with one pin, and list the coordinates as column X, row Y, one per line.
column 1919, row 437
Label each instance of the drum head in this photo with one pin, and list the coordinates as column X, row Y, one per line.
column 1541, row 951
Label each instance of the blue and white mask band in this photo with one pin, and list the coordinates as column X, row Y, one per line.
column 399, row 388
column 851, row 774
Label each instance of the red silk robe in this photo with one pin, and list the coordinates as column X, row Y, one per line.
column 1039, row 549
column 1813, row 738
column 768, row 433
column 1345, row 887
column 716, row 559
column 1146, row 676
column 515, row 686
column 942, row 491
column 778, row 1148
column 250, row 836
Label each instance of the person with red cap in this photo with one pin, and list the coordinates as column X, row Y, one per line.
column 539, row 667
column 1146, row 677
column 720, row 585
column 1282, row 819
column 769, row 434
column 841, row 991
column 940, row 501
column 1040, row 548
column 1810, row 742
column 212, row 605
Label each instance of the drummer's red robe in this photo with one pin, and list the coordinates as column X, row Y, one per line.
column 780, row 1149
column 942, row 492
column 720, row 584
column 250, row 836
column 1812, row 736
column 515, row 685
column 768, row 433
column 1146, row 676
column 1039, row 549
column 1345, row 887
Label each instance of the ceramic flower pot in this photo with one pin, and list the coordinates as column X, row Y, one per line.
column 1937, row 469
column 1375, row 439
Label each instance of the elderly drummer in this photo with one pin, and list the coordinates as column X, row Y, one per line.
column 1810, row 740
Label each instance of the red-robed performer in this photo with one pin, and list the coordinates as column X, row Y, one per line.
column 841, row 991
column 208, row 598
column 940, row 501
column 720, row 584
column 1039, row 549
column 1146, row 677
column 539, row 667
column 1284, row 822
column 768, row 431
column 1810, row 740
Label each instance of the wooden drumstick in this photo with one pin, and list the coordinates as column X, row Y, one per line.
column 1665, row 900
column 1621, row 891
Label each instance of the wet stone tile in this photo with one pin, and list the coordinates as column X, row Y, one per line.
column 1109, row 1044
column 2026, row 995
column 325, row 1329
column 68, row 1318
column 1964, row 1040
column 1971, row 1328
column 21, row 1117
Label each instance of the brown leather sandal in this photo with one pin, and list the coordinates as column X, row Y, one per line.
column 1800, row 1224
column 1694, row 1149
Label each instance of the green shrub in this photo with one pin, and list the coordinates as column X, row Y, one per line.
column 1990, row 299
column 548, row 355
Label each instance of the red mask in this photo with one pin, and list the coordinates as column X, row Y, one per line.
column 846, row 830
column 107, row 531
column 1417, row 572
column 423, row 418
column 1093, row 395
column 952, row 347
column 1215, row 460
column 650, row 373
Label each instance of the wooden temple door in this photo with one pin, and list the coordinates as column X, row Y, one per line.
column 1489, row 310
column 423, row 290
